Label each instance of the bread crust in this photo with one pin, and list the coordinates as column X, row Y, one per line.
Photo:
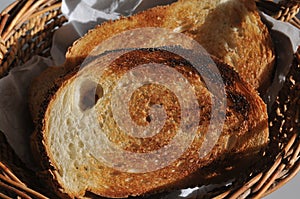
column 40, row 86
column 230, row 30
column 244, row 135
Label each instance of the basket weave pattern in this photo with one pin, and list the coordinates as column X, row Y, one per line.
column 25, row 29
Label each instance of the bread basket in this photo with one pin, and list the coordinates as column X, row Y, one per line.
column 26, row 27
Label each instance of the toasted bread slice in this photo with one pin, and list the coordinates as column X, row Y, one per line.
column 228, row 29
column 85, row 149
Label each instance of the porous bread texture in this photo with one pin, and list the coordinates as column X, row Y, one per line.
column 67, row 131
column 230, row 30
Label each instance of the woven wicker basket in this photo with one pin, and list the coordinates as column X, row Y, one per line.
column 25, row 29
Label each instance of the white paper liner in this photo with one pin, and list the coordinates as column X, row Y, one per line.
column 84, row 15
column 14, row 114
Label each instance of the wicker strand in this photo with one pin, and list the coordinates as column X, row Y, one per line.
column 293, row 172
column 12, row 189
column 284, row 11
column 267, row 175
column 10, row 7
column 24, row 14
column 290, row 3
column 271, row 180
column 247, row 186
column 222, row 195
column 4, row 19
column 17, row 17
column 4, row 196
column 50, row 8
column 296, row 155
column 290, row 144
column 295, row 22
column 29, row 12
column 22, row 187
column 10, row 174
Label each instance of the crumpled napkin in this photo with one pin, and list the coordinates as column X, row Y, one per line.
column 286, row 39
column 15, row 120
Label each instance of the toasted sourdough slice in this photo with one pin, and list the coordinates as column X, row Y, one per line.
column 87, row 141
column 228, row 29
column 40, row 86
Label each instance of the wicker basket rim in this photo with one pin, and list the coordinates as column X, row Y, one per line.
column 14, row 17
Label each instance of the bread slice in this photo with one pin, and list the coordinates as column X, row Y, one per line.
column 83, row 138
column 228, row 29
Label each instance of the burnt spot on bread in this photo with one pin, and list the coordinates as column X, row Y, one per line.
column 228, row 74
column 180, row 62
column 239, row 103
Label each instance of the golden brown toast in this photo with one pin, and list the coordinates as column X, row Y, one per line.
column 78, row 126
column 228, row 29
